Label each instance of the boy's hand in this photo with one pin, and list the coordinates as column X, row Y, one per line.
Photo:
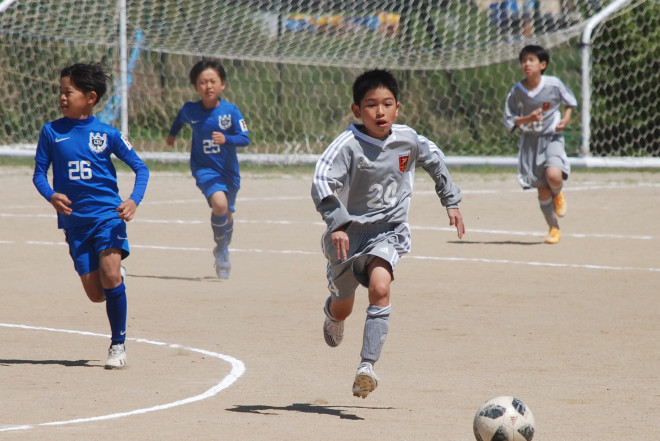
column 61, row 203
column 127, row 210
column 218, row 138
column 565, row 120
column 340, row 241
column 536, row 115
column 561, row 126
column 456, row 219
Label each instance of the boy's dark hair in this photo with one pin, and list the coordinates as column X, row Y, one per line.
column 88, row 77
column 540, row 53
column 202, row 65
column 373, row 79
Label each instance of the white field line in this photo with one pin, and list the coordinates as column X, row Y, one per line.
column 237, row 369
column 314, row 253
column 321, row 224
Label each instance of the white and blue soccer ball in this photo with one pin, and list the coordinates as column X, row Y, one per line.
column 504, row 418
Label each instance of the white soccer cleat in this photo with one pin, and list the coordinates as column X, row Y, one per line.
column 333, row 332
column 366, row 380
column 116, row 357
column 222, row 264
column 122, row 270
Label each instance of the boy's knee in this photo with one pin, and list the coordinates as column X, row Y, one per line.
column 339, row 309
column 96, row 295
column 379, row 291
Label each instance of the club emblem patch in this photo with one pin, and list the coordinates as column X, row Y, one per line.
column 98, row 142
column 403, row 162
column 224, row 121
column 545, row 106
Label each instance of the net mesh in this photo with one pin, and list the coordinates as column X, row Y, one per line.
column 291, row 64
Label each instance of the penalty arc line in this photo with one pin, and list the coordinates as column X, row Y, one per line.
column 237, row 370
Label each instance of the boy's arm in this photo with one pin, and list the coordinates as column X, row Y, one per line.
column 175, row 127
column 331, row 171
column 42, row 161
column 433, row 161
column 125, row 152
column 565, row 119
column 570, row 102
column 513, row 119
column 239, row 131
column 332, row 211
column 510, row 114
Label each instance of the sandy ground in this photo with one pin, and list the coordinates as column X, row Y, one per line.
column 571, row 329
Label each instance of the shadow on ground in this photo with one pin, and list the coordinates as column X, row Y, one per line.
column 339, row 411
column 65, row 363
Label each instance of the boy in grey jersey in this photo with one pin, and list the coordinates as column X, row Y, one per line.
column 362, row 188
column 533, row 106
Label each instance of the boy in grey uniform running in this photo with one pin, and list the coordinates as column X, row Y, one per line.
column 533, row 105
column 362, row 188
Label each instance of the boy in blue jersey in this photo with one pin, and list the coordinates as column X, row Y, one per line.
column 218, row 129
column 86, row 196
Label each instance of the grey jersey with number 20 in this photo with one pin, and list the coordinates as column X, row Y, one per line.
column 364, row 180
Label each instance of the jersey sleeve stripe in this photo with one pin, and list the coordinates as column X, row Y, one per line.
column 324, row 164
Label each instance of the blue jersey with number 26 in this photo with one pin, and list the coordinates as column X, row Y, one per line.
column 209, row 160
column 79, row 151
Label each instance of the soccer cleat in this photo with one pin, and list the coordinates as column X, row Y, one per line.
column 116, row 356
column 222, row 265
column 560, row 204
column 333, row 332
column 553, row 235
column 122, row 270
column 366, row 380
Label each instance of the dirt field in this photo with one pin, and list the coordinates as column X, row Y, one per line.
column 571, row 329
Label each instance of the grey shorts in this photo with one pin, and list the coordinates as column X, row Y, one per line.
column 366, row 242
column 538, row 153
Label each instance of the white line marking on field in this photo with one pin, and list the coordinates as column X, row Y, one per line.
column 414, row 227
column 550, row 264
column 238, row 368
column 314, row 253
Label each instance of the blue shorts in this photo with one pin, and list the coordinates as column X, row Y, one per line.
column 218, row 184
column 87, row 241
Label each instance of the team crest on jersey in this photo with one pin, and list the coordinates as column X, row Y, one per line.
column 403, row 162
column 224, row 121
column 98, row 142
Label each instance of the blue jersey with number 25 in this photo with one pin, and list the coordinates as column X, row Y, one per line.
column 209, row 160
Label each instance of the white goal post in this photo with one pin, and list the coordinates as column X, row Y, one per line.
column 291, row 63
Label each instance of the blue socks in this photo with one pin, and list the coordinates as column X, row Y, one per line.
column 219, row 226
column 115, row 306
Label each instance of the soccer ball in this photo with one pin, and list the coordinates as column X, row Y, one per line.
column 504, row 419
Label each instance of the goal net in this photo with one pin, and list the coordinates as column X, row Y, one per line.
column 291, row 64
